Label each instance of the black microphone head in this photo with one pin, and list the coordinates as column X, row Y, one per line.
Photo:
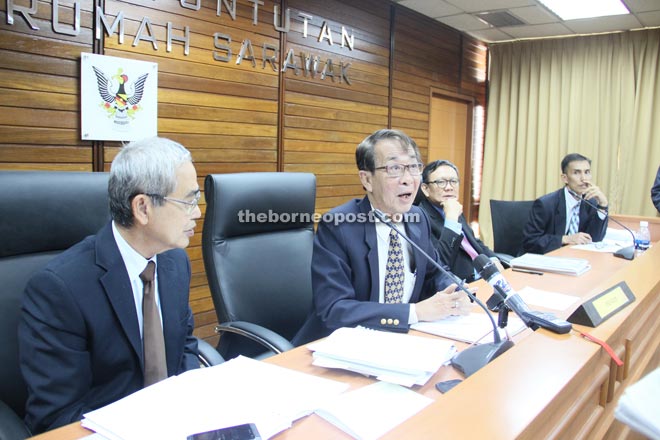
column 484, row 266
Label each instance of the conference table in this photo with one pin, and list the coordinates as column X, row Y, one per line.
column 547, row 386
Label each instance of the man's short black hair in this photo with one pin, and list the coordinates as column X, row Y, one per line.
column 430, row 168
column 572, row 157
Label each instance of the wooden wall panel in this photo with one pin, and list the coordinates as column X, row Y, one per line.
column 39, row 92
column 237, row 117
column 323, row 120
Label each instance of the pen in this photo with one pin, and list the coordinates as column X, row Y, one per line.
column 533, row 272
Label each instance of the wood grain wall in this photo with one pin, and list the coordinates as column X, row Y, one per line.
column 237, row 117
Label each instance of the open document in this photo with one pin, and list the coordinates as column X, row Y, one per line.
column 391, row 357
column 474, row 328
column 614, row 240
column 241, row 390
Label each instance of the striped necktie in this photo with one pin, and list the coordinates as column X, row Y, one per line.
column 574, row 224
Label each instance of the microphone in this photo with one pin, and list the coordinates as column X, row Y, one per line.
column 532, row 318
column 471, row 359
column 627, row 252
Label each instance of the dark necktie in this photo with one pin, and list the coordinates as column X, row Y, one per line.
column 155, row 366
column 394, row 270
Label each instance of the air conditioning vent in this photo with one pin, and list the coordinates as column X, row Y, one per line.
column 499, row 18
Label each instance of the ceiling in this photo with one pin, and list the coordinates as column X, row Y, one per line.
column 537, row 21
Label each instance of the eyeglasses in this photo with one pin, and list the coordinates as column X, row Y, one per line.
column 397, row 170
column 190, row 205
column 443, row 183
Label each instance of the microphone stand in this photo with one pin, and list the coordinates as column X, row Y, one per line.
column 627, row 252
column 471, row 359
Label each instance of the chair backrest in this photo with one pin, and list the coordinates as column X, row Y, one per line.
column 257, row 246
column 508, row 220
column 42, row 213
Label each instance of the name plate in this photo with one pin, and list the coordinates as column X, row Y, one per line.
column 603, row 306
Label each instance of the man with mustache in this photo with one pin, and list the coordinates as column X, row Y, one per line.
column 560, row 218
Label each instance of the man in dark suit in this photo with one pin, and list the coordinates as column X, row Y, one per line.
column 560, row 218
column 655, row 191
column 362, row 272
column 452, row 237
column 81, row 332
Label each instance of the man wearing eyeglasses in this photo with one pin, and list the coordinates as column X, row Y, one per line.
column 451, row 235
column 110, row 315
column 362, row 272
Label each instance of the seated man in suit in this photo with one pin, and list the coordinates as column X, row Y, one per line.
column 96, row 324
column 560, row 218
column 452, row 237
column 363, row 273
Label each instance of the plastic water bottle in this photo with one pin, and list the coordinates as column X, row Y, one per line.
column 643, row 237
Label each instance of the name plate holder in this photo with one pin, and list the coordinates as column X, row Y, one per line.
column 603, row 306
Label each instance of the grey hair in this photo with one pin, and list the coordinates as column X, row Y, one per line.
column 147, row 166
column 365, row 155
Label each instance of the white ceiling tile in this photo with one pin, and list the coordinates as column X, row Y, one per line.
column 642, row 5
column 489, row 5
column 649, row 19
column 537, row 30
column 433, row 9
column 534, row 15
column 464, row 22
column 603, row 24
column 491, row 35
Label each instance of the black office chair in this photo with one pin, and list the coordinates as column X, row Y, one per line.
column 257, row 246
column 508, row 219
column 43, row 213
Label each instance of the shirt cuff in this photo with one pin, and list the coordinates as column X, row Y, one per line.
column 412, row 315
column 454, row 226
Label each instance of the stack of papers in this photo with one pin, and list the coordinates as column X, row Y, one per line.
column 638, row 406
column 238, row 391
column 371, row 411
column 545, row 263
column 391, row 357
column 474, row 328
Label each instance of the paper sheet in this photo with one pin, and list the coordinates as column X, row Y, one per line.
column 241, row 390
column 544, row 298
column 371, row 411
column 639, row 406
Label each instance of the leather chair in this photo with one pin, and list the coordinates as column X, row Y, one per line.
column 508, row 220
column 257, row 246
column 43, row 213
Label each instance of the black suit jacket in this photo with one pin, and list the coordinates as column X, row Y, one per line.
column 345, row 273
column 79, row 339
column 547, row 223
column 448, row 243
column 655, row 191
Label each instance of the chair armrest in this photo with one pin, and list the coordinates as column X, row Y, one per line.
column 268, row 338
column 505, row 259
column 11, row 426
column 208, row 355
